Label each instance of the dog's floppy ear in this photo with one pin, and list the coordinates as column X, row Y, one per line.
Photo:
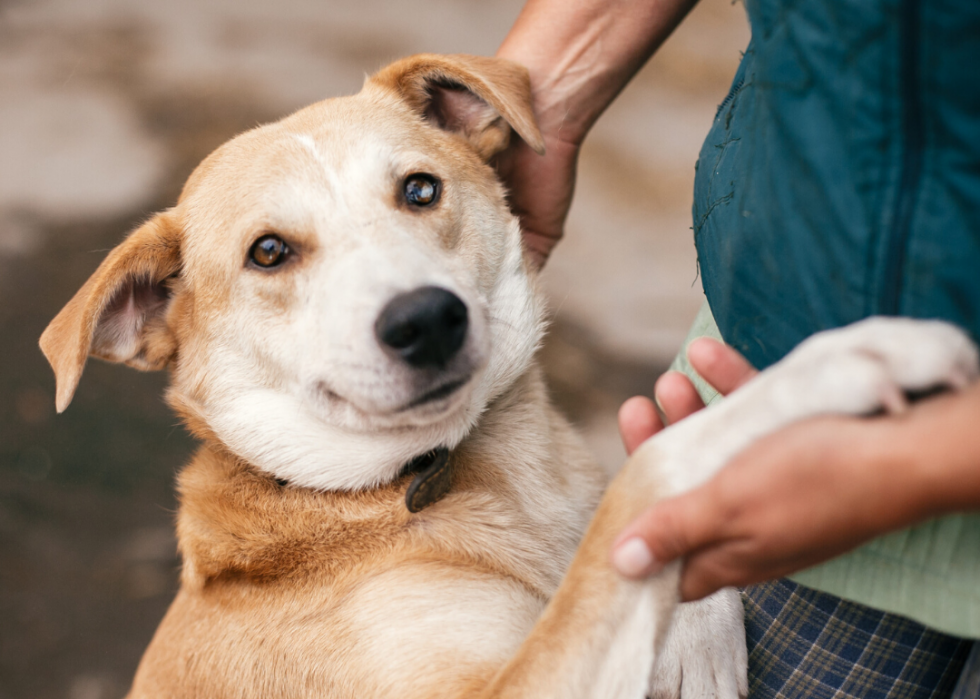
column 480, row 98
column 118, row 314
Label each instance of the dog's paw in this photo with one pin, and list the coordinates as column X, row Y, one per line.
column 704, row 654
column 871, row 365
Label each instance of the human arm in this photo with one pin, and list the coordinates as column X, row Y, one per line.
column 579, row 54
column 807, row 493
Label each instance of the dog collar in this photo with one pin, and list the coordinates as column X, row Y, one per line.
column 432, row 479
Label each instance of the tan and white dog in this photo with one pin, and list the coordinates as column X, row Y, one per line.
column 385, row 503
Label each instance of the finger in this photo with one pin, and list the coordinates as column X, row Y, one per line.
column 677, row 396
column 736, row 563
column 638, row 421
column 667, row 531
column 720, row 365
column 707, row 571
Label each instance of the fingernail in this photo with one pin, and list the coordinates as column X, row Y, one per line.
column 632, row 559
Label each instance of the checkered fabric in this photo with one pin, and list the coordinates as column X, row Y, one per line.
column 804, row 643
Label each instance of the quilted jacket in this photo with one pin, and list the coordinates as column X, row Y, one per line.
column 841, row 179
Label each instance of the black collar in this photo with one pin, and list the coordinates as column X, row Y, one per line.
column 432, row 479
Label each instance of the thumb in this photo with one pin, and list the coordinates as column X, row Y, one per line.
column 669, row 530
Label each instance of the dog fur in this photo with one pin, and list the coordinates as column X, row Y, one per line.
column 304, row 573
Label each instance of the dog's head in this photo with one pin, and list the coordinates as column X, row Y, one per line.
column 337, row 292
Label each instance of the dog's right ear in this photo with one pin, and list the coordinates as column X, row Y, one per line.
column 118, row 314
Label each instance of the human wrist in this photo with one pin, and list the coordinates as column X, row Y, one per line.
column 899, row 489
column 561, row 117
column 580, row 53
column 942, row 439
column 927, row 460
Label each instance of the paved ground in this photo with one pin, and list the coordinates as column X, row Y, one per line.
column 105, row 106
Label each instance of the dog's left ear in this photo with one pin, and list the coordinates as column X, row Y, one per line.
column 479, row 98
column 118, row 314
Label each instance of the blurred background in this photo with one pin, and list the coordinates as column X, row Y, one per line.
column 105, row 108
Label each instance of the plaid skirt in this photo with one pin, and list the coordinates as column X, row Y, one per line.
column 804, row 643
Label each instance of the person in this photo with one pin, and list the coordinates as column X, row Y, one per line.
column 840, row 179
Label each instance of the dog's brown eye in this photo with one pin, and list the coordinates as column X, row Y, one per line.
column 421, row 189
column 269, row 251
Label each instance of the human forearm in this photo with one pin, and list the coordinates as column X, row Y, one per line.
column 581, row 53
column 936, row 448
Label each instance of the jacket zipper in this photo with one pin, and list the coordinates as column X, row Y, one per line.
column 913, row 144
column 731, row 95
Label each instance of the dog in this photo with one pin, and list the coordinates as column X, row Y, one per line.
column 385, row 503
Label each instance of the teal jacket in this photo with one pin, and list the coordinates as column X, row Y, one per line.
column 841, row 179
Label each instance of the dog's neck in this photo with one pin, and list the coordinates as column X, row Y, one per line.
column 517, row 457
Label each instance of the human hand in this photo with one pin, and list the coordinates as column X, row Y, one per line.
column 791, row 500
column 719, row 365
column 540, row 189
column 579, row 55
column 804, row 494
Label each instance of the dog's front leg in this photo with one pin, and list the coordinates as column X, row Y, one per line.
column 598, row 635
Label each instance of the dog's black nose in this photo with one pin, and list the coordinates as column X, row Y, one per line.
column 425, row 327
